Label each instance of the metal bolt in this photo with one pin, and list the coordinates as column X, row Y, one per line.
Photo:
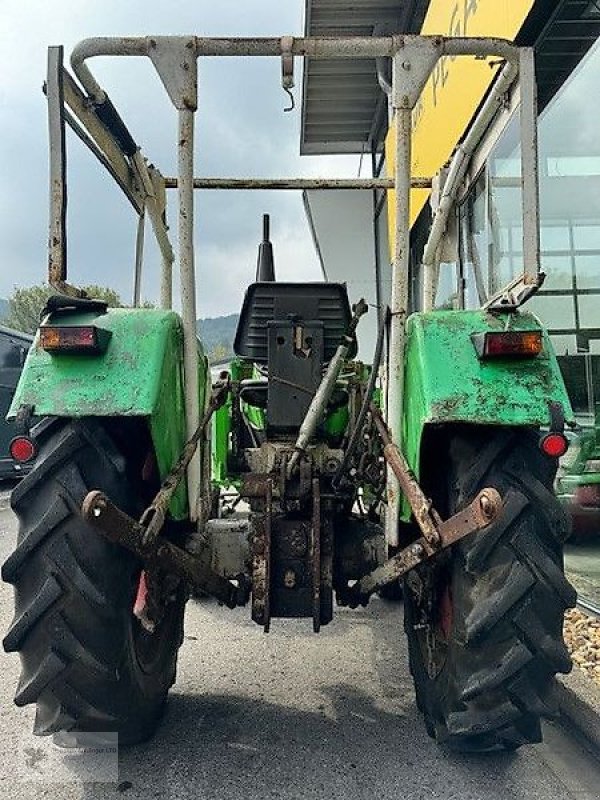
column 289, row 579
column 258, row 546
column 406, row 65
column 486, row 505
column 99, row 507
column 331, row 465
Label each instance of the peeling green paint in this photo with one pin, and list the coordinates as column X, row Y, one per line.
column 140, row 374
column 445, row 382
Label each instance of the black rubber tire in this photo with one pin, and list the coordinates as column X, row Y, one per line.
column 86, row 661
column 484, row 672
column 393, row 592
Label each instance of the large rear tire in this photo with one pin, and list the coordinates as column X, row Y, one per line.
column 484, row 620
column 87, row 662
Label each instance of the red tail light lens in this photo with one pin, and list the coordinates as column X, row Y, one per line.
column 508, row 344
column 21, row 449
column 73, row 339
column 554, row 445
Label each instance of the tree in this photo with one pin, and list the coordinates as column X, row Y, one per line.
column 25, row 305
column 220, row 352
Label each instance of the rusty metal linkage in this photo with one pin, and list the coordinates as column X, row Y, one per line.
column 153, row 518
column 122, row 529
column 315, row 535
column 436, row 534
column 261, row 561
column 419, row 503
column 476, row 516
column 142, row 537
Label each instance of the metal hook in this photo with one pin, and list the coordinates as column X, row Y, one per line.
column 287, row 69
column 292, row 105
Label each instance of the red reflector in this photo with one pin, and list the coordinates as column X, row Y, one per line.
column 22, row 449
column 513, row 343
column 554, row 445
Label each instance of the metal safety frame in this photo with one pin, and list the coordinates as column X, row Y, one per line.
column 175, row 59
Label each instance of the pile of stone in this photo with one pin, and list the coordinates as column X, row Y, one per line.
column 582, row 636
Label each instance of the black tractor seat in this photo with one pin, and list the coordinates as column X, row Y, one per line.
column 299, row 302
column 295, row 329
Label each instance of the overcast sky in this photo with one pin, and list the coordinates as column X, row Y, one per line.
column 241, row 131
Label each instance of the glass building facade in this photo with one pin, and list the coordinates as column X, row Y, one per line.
column 490, row 234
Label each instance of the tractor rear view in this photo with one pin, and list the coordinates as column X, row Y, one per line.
column 432, row 464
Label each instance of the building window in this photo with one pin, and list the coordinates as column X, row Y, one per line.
column 491, row 231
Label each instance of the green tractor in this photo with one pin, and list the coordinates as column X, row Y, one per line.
column 578, row 479
column 432, row 465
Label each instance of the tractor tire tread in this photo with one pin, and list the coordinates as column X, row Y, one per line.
column 509, row 594
column 73, row 595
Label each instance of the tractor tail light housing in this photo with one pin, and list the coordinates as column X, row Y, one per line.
column 508, row 344
column 22, row 449
column 73, row 339
column 554, row 445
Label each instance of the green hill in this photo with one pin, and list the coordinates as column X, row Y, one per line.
column 217, row 334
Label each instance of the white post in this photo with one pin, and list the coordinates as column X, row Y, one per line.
column 529, row 167
column 188, row 293
column 139, row 258
column 400, row 268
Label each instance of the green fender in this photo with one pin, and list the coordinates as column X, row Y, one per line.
column 139, row 374
column 445, row 381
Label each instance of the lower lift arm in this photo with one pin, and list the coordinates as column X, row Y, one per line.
column 142, row 537
column 436, row 534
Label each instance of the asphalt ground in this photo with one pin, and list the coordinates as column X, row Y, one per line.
column 286, row 715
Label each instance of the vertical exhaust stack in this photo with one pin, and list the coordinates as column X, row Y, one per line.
column 265, row 266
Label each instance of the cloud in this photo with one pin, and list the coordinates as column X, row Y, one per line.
column 241, row 131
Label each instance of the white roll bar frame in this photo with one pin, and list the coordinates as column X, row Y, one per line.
column 413, row 60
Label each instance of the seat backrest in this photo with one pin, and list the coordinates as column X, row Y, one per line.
column 302, row 302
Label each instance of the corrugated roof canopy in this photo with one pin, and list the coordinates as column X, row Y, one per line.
column 570, row 31
column 340, row 97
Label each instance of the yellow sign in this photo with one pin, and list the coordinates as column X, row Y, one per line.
column 456, row 87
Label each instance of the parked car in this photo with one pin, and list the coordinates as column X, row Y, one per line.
column 13, row 350
column 578, row 483
column 578, row 479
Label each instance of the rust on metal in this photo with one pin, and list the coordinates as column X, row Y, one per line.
column 153, row 518
column 419, row 503
column 297, row 183
column 437, row 534
column 261, row 561
column 57, row 240
column 316, row 555
column 254, row 484
column 480, row 513
column 120, row 528
column 477, row 515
